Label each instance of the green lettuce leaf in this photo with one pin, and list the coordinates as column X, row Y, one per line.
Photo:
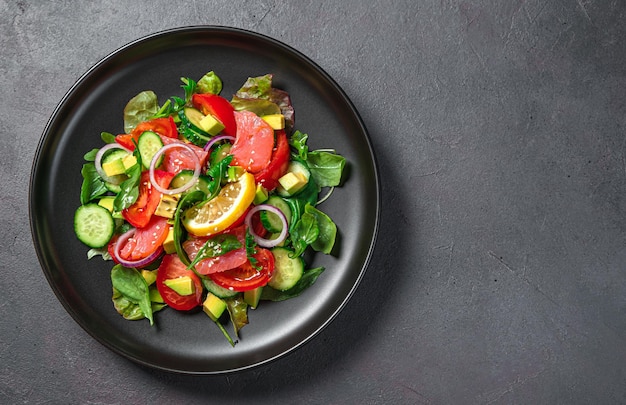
column 209, row 83
column 140, row 108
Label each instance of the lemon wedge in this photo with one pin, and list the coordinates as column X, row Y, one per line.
column 222, row 211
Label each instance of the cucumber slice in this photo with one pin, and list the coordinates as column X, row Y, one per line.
column 149, row 144
column 288, row 270
column 217, row 290
column 184, row 176
column 270, row 221
column 93, row 225
column 114, row 154
column 190, row 119
column 220, row 152
column 195, row 137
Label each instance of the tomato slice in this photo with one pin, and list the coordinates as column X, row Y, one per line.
column 172, row 267
column 230, row 260
column 254, row 142
column 146, row 240
column 247, row 277
column 140, row 212
column 177, row 159
column 277, row 167
column 162, row 126
column 218, row 107
column 126, row 140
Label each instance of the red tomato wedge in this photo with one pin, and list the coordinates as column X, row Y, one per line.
column 230, row 260
column 146, row 240
column 162, row 126
column 254, row 142
column 218, row 107
column 277, row 167
column 247, row 277
column 140, row 212
column 172, row 267
column 178, row 159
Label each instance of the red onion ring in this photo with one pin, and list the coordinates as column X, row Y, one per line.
column 267, row 243
column 98, row 160
column 217, row 139
column 184, row 187
column 133, row 263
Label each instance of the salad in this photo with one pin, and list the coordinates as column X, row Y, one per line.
column 205, row 202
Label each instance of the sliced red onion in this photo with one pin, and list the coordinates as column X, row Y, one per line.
column 133, row 263
column 98, row 160
column 267, row 243
column 184, row 187
column 217, row 139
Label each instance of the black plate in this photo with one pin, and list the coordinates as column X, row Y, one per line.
column 191, row 343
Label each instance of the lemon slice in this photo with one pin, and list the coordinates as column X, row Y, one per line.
column 223, row 210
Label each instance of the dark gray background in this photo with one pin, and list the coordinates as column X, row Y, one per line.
column 499, row 272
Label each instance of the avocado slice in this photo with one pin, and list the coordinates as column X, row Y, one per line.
column 213, row 306
column 182, row 285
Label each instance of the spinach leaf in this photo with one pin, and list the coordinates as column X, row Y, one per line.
column 133, row 287
column 91, row 155
column 304, row 232
column 308, row 279
column 210, row 83
column 217, row 173
column 238, row 311
column 140, row 108
column 298, row 141
column 327, row 230
column 308, row 195
column 107, row 137
column 216, row 246
column 93, row 185
column 187, row 201
column 129, row 189
column 326, row 167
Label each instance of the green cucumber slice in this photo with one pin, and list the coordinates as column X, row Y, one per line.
column 217, row 290
column 149, row 144
column 93, row 225
column 185, row 175
column 288, row 270
column 270, row 221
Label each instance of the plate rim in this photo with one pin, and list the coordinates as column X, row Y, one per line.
column 54, row 116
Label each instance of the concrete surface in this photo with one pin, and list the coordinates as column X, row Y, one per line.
column 499, row 276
